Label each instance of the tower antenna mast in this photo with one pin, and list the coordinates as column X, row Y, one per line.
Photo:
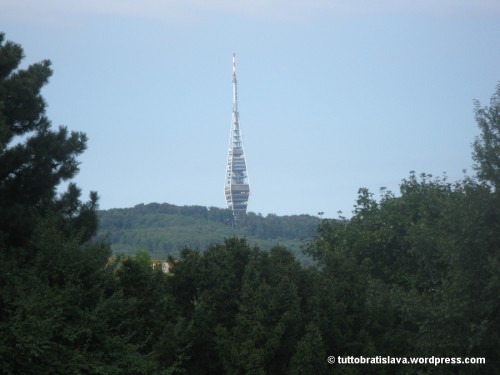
column 236, row 188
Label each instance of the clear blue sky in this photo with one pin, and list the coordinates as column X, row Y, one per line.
column 334, row 95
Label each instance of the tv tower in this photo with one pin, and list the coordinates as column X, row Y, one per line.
column 237, row 188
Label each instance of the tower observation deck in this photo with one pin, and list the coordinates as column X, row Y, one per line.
column 236, row 188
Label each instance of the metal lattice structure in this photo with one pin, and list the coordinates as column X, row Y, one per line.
column 237, row 188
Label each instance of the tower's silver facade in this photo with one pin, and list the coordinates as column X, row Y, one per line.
column 236, row 188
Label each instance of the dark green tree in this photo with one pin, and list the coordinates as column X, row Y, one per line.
column 34, row 159
column 267, row 325
column 486, row 147
column 62, row 313
column 414, row 274
column 310, row 355
column 53, row 281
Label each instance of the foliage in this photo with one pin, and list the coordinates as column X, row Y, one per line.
column 486, row 151
column 165, row 229
column 413, row 275
column 426, row 267
column 34, row 159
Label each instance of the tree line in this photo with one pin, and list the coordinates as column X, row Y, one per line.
column 413, row 274
column 165, row 229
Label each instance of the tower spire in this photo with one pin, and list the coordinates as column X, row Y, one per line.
column 235, row 92
column 236, row 188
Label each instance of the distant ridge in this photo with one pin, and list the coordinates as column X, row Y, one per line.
column 164, row 229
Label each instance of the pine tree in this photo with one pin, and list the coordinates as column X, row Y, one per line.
column 34, row 159
column 51, row 277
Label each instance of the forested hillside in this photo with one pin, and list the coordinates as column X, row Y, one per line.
column 414, row 274
column 165, row 229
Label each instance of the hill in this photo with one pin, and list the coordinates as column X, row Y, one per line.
column 165, row 229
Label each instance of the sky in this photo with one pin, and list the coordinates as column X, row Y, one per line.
column 334, row 95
